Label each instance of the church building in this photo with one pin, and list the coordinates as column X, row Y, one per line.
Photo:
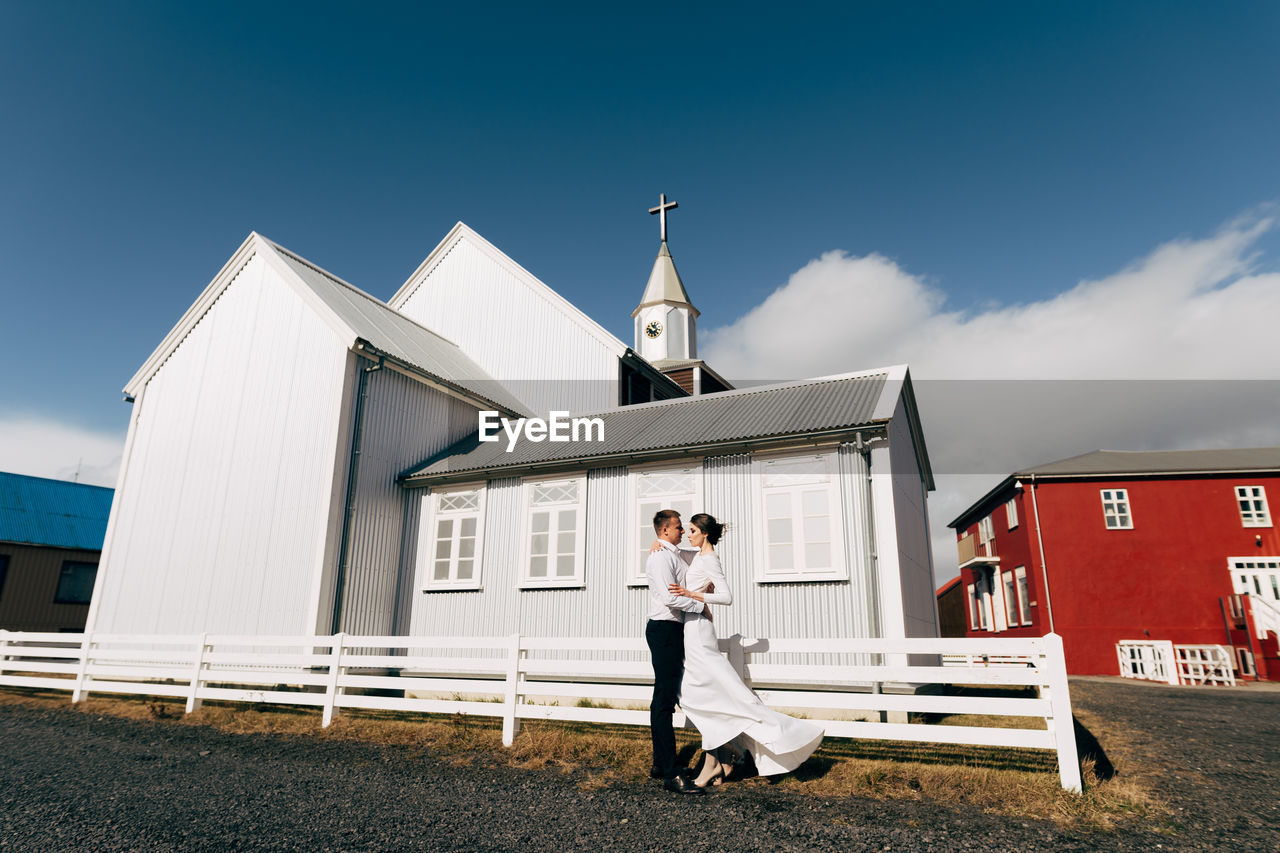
column 305, row 458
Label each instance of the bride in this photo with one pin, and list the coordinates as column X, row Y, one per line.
column 712, row 694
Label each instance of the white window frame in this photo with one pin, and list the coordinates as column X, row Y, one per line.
column 986, row 530
column 427, row 540
column 1024, row 593
column 1009, row 585
column 578, row 579
column 974, row 607
column 1011, row 512
column 1259, row 514
column 839, row 570
column 1113, row 501
column 636, row 546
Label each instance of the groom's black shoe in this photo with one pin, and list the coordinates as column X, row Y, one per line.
column 656, row 773
column 681, row 785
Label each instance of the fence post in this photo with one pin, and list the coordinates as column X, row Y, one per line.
column 1061, row 723
column 4, row 653
column 335, row 672
column 510, row 724
column 78, row 693
column 1172, row 672
column 193, row 689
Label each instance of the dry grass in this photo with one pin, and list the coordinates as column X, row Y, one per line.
column 1015, row 782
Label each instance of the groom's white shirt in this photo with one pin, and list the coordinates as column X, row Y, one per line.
column 662, row 568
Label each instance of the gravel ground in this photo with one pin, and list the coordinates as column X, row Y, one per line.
column 73, row 781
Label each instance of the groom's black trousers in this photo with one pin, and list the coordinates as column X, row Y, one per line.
column 666, row 645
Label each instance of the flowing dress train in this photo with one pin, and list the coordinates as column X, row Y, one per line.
column 715, row 699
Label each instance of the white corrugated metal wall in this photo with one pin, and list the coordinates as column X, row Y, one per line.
column 227, row 487
column 404, row 423
column 607, row 607
column 545, row 358
column 911, row 514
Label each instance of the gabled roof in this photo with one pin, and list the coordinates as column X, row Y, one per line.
column 1162, row 462
column 55, row 513
column 665, row 286
column 460, row 232
column 1139, row 463
column 813, row 409
column 360, row 319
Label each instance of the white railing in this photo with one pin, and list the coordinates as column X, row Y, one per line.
column 1150, row 660
column 1208, row 664
column 987, row 660
column 528, row 677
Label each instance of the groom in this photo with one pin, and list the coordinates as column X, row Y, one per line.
column 665, row 634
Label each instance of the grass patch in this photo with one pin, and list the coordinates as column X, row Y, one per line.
column 1015, row 782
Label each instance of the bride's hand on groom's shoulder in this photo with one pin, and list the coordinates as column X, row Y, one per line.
column 656, row 546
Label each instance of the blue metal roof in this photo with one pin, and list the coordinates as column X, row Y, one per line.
column 37, row 511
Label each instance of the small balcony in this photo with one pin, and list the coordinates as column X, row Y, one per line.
column 975, row 553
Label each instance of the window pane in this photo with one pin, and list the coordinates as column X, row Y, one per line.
column 466, row 548
column 443, row 548
column 565, row 542
column 564, row 566
column 568, row 519
column 815, row 502
column 468, row 526
column 75, row 584
column 780, row 558
column 817, row 555
column 817, row 529
column 537, row 567
column 442, row 570
column 541, row 522
column 464, row 569
column 778, row 505
column 444, row 529
column 780, row 530
column 538, row 544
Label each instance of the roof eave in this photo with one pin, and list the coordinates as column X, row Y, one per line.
column 412, row 479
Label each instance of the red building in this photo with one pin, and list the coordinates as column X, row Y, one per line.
column 1158, row 550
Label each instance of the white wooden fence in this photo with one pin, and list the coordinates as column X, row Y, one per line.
column 533, row 677
column 1161, row 660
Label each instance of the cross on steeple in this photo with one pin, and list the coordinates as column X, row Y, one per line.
column 661, row 210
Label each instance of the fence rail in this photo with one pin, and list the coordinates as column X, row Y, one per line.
column 498, row 677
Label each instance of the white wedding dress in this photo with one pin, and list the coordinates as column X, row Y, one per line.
column 715, row 699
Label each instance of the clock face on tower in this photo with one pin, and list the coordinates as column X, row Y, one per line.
column 653, row 329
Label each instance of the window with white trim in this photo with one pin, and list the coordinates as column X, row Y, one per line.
column 1252, row 501
column 800, row 533
column 650, row 489
column 451, row 537
column 555, row 532
column 1010, row 599
column 1024, row 595
column 974, row 622
column 1115, row 509
column 1011, row 512
column 986, row 530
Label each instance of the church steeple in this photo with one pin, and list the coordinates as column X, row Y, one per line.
column 665, row 319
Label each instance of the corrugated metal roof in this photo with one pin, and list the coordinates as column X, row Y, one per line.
column 1119, row 463
column 1163, row 461
column 38, row 511
column 398, row 336
column 796, row 408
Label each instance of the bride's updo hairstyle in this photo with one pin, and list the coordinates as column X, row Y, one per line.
column 708, row 525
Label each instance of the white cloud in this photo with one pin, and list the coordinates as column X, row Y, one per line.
column 1185, row 323
column 43, row 447
column 1190, row 309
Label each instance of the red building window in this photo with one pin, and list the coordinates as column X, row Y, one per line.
column 1115, row 509
column 1253, row 506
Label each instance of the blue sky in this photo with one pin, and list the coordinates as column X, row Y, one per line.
column 995, row 154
